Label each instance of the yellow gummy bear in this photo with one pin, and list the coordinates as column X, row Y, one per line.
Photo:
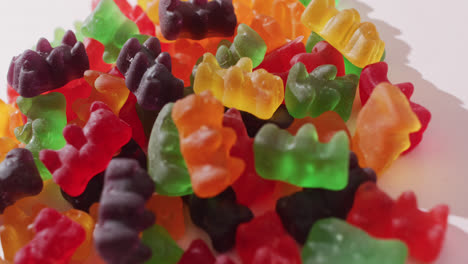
column 358, row 42
column 259, row 93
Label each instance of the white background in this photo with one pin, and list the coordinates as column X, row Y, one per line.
column 426, row 43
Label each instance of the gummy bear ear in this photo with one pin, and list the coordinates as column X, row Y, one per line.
column 98, row 105
column 69, row 38
column 43, row 45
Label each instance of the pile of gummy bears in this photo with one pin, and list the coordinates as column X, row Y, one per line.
column 229, row 117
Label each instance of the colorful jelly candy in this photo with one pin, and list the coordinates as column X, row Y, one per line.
column 333, row 241
column 359, row 42
column 301, row 160
column 253, row 124
column 9, row 121
column 379, row 141
column 110, row 27
column 122, row 214
column 247, row 43
column 219, row 217
column 205, row 144
column 322, row 53
column 148, row 74
column 6, row 144
column 264, row 240
column 199, row 253
column 137, row 15
column 57, row 238
column 423, row 232
column 277, row 61
column 320, row 91
column 167, row 166
column 19, row 177
column 90, row 195
column 47, row 68
column 300, row 210
column 87, row 223
column 259, row 92
column 376, row 73
column 170, row 214
column 129, row 115
column 165, row 250
column 88, row 150
column 196, row 19
column 95, row 51
column 270, row 30
column 46, row 121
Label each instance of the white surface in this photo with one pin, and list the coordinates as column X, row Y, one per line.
column 426, row 44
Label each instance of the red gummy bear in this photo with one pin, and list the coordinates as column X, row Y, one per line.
column 129, row 114
column 95, row 51
column 278, row 60
column 322, row 53
column 78, row 88
column 249, row 187
column 199, row 253
column 376, row 73
column 376, row 213
column 57, row 238
column 264, row 240
column 88, row 151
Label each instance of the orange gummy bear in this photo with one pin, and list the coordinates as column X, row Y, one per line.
column 169, row 212
column 383, row 127
column 87, row 222
column 184, row 55
column 10, row 118
column 205, row 144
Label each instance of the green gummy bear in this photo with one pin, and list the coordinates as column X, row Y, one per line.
column 109, row 26
column 302, row 160
column 165, row 250
column 334, row 241
column 60, row 32
column 166, row 165
column 44, row 130
column 320, row 91
column 247, row 43
column 313, row 39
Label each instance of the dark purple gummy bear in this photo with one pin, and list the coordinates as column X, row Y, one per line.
column 19, row 177
column 196, row 19
column 148, row 74
column 219, row 217
column 281, row 118
column 35, row 72
column 122, row 213
column 301, row 210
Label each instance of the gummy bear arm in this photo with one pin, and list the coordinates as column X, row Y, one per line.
column 74, row 135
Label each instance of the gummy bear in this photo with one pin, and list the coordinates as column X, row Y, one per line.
column 137, row 15
column 110, row 27
column 423, row 232
column 56, row 239
column 88, row 150
column 6, row 144
column 10, row 119
column 165, row 250
column 122, row 215
column 259, row 93
column 333, row 241
column 73, row 91
column 277, row 61
column 129, row 115
column 264, row 240
column 205, row 144
column 199, row 253
column 87, row 223
column 19, row 177
column 196, row 19
column 184, row 54
column 301, row 160
column 95, row 51
column 269, row 30
column 320, row 91
column 170, row 214
column 36, row 72
column 90, row 195
column 219, row 217
column 250, row 187
column 322, row 53
column 253, row 124
column 247, row 43
column 379, row 141
column 167, row 166
column 46, row 121
column 376, row 73
column 358, row 42
column 300, row 210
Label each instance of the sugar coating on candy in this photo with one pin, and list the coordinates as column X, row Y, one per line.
column 301, row 210
column 56, row 239
column 359, row 42
column 19, row 177
column 196, row 19
column 148, row 74
column 320, row 91
column 301, row 160
column 167, row 166
column 122, row 214
column 199, row 253
column 379, row 141
column 219, row 217
column 43, row 130
column 333, row 241
column 264, row 240
column 88, row 150
column 423, row 232
column 257, row 92
column 47, row 68
column 205, row 144
column 247, row 43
